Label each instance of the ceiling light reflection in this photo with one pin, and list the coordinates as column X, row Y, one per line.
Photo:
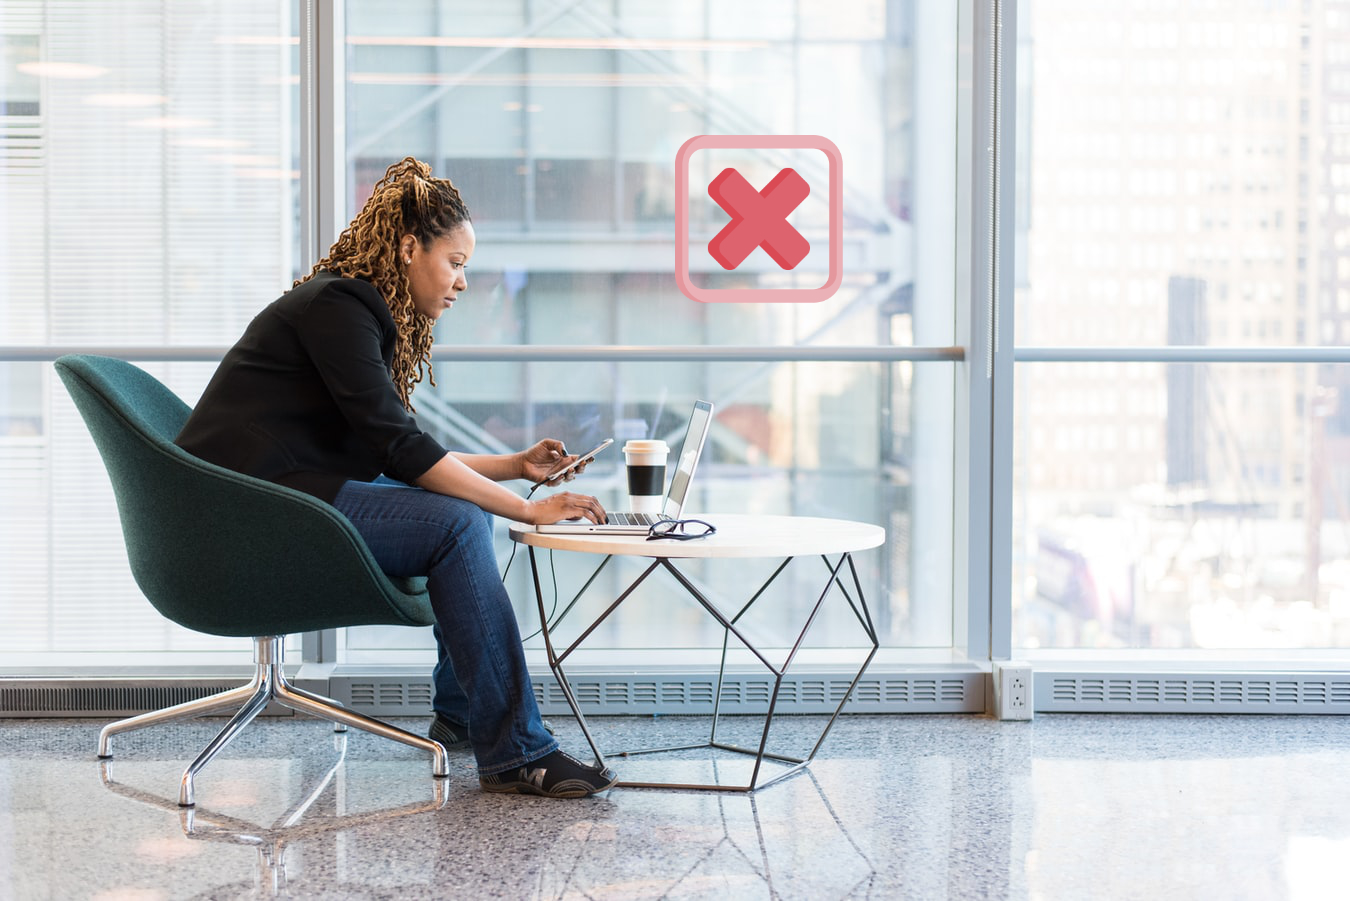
column 281, row 174
column 171, row 122
column 245, row 159
column 510, row 42
column 259, row 39
column 211, row 143
column 125, row 100
column 536, row 79
column 530, row 43
column 61, row 70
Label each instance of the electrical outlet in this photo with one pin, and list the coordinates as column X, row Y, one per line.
column 1013, row 691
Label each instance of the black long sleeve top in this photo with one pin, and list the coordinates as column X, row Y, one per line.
column 305, row 397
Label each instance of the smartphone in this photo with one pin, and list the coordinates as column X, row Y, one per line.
column 584, row 458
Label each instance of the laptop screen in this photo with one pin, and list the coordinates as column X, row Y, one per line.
column 690, row 450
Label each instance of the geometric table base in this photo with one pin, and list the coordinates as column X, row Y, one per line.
column 729, row 626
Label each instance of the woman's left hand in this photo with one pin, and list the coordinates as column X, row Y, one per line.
column 547, row 456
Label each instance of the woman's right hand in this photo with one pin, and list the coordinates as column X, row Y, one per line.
column 565, row 505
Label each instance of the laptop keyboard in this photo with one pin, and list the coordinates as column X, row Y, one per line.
column 635, row 519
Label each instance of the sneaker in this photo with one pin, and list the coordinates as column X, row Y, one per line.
column 454, row 737
column 555, row 775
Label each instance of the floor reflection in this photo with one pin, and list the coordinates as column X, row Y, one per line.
column 914, row 807
column 310, row 818
column 768, row 844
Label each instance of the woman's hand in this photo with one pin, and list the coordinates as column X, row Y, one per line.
column 546, row 457
column 565, row 505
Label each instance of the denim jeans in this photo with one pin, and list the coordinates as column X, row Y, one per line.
column 481, row 679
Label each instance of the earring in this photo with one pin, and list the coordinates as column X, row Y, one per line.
column 407, row 261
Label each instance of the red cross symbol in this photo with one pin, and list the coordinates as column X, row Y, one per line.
column 758, row 219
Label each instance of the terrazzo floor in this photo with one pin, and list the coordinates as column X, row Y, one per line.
column 922, row 807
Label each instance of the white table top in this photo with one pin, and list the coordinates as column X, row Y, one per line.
column 738, row 535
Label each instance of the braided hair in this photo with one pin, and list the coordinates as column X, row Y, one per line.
column 406, row 201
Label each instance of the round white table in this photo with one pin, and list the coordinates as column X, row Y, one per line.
column 737, row 535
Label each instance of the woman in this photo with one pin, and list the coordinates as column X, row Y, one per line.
column 316, row 396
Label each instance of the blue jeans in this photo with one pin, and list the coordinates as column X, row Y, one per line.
column 481, row 678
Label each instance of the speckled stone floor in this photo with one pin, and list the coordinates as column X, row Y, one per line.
column 922, row 807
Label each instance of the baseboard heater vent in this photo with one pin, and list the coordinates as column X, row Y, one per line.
column 692, row 693
column 390, row 697
column 101, row 697
column 671, row 693
column 617, row 694
column 1316, row 693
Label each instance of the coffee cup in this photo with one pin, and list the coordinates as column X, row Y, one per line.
column 646, row 461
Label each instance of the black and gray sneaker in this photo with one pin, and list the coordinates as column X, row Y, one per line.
column 452, row 736
column 555, row 775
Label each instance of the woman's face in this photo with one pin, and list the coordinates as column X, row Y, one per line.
column 436, row 271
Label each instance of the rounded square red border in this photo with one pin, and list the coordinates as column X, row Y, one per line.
column 759, row 142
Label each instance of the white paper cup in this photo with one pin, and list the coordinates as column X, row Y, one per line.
column 646, row 461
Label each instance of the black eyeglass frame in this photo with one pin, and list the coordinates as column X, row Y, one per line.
column 673, row 529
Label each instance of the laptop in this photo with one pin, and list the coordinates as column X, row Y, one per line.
column 625, row 523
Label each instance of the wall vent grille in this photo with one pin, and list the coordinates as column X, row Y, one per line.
column 675, row 693
column 393, row 695
column 692, row 693
column 101, row 698
column 397, row 694
column 1198, row 693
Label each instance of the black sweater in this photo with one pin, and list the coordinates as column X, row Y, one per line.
column 305, row 397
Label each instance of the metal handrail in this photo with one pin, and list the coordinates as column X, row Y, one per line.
column 536, row 353
column 555, row 353
column 1182, row 354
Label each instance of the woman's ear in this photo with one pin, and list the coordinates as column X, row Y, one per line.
column 405, row 247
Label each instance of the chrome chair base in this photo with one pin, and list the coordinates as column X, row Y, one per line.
column 268, row 684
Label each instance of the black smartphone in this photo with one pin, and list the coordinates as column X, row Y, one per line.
column 584, row 458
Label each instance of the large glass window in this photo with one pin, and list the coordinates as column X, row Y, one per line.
column 561, row 126
column 1184, row 202
column 1166, row 516
column 1182, row 405
column 148, row 164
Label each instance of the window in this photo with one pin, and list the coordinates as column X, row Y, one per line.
column 1193, row 533
column 561, row 127
column 148, row 167
column 19, row 81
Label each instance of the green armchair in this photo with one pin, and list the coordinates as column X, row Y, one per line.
column 228, row 554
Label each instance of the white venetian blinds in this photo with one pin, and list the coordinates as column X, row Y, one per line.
column 148, row 189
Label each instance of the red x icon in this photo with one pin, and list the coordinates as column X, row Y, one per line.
column 758, row 219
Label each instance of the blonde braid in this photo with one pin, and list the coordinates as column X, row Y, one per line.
column 406, row 201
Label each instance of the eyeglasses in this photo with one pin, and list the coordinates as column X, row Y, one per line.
column 680, row 529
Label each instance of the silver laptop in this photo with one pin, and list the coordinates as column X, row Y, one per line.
column 625, row 523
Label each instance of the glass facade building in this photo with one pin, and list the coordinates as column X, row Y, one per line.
column 1184, row 484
